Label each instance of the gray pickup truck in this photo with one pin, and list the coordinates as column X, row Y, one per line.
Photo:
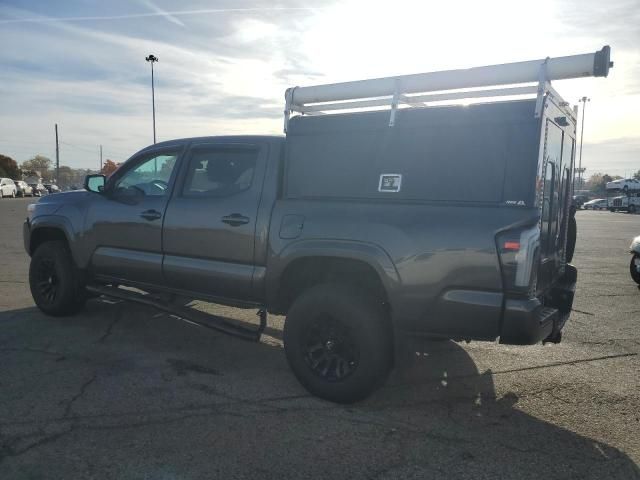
column 449, row 222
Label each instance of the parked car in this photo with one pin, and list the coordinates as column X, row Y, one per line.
column 624, row 184
column 366, row 229
column 7, row 188
column 634, row 267
column 596, row 204
column 38, row 189
column 23, row 189
column 52, row 188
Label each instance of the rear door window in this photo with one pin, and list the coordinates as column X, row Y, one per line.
column 547, row 206
column 552, row 194
column 220, row 171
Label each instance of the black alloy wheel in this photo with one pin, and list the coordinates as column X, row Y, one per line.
column 330, row 349
column 46, row 279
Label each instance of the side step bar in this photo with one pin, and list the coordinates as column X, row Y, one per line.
column 187, row 314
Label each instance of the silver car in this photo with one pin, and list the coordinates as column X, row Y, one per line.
column 23, row 189
column 7, row 188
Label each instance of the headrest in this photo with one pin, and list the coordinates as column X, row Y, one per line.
column 224, row 170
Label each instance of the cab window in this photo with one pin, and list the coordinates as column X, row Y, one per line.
column 151, row 176
column 219, row 171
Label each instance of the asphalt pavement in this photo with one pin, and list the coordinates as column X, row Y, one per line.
column 123, row 391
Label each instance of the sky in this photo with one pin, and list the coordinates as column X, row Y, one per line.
column 224, row 65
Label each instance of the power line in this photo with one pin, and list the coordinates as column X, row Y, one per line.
column 93, row 149
column 84, row 149
column 20, row 142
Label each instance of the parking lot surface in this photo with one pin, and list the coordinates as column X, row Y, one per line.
column 124, row 391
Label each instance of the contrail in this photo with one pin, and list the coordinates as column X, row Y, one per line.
column 163, row 13
column 154, row 14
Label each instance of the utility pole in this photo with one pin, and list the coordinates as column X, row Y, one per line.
column 153, row 59
column 584, row 101
column 57, row 156
column 100, row 157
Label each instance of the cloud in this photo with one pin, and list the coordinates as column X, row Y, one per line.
column 81, row 64
column 616, row 156
column 156, row 13
column 238, row 107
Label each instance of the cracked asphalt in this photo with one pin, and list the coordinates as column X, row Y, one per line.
column 122, row 391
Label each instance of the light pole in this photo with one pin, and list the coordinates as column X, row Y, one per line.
column 584, row 101
column 152, row 58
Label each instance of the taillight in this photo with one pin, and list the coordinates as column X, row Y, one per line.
column 519, row 250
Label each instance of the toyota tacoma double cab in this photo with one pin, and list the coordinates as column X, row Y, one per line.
column 364, row 227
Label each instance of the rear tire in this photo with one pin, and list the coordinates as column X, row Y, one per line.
column 632, row 209
column 633, row 270
column 54, row 280
column 338, row 342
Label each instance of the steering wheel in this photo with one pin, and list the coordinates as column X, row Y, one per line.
column 161, row 184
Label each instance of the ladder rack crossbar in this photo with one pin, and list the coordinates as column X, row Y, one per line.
column 415, row 100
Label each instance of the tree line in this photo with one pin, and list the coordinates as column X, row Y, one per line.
column 42, row 167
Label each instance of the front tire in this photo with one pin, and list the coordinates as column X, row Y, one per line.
column 338, row 342
column 55, row 281
column 635, row 275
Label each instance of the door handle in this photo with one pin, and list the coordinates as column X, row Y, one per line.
column 151, row 215
column 235, row 219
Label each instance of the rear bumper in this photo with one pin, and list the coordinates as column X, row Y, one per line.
column 532, row 320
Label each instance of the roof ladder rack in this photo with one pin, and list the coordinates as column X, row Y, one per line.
column 450, row 85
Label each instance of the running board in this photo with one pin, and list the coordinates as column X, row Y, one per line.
column 187, row 314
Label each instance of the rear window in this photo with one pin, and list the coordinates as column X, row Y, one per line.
column 481, row 153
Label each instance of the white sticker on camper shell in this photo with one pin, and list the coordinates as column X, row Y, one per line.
column 390, row 182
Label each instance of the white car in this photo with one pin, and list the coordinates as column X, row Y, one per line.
column 7, row 188
column 624, row 184
column 597, row 204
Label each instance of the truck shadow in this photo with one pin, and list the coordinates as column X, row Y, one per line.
column 444, row 390
column 438, row 417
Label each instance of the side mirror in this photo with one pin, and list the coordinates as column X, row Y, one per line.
column 94, row 183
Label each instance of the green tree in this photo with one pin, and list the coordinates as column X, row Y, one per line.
column 39, row 163
column 9, row 168
column 597, row 182
column 65, row 176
